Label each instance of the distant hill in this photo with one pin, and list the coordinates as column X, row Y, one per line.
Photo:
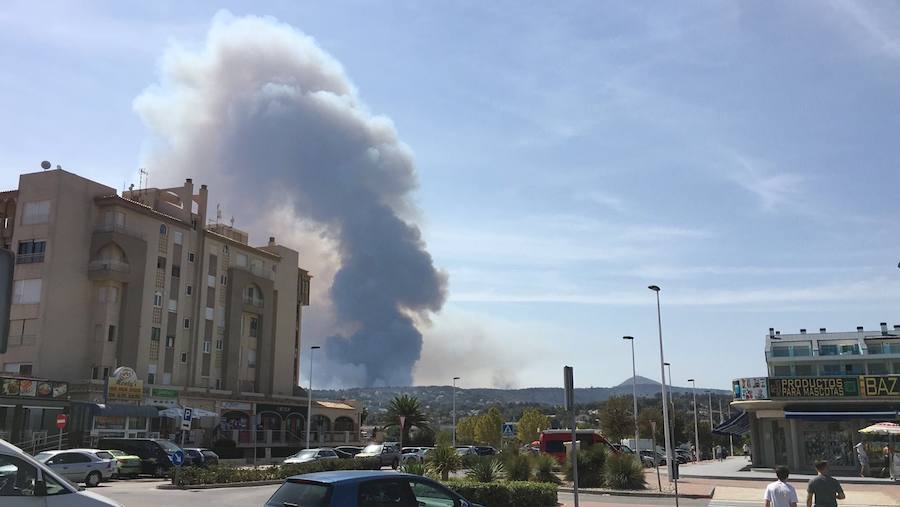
column 438, row 399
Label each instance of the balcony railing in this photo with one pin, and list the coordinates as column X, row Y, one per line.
column 118, row 228
column 257, row 302
column 884, row 348
column 256, row 270
column 29, row 258
column 109, row 265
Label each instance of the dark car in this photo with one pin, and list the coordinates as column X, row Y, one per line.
column 486, row 450
column 347, row 451
column 363, row 488
column 199, row 457
column 652, row 457
column 156, row 454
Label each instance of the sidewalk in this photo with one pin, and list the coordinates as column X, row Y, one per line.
column 733, row 468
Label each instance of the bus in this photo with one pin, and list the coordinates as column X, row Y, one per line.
column 553, row 442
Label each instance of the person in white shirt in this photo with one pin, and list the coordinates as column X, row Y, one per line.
column 780, row 493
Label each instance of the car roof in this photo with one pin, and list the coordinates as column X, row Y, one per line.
column 347, row 476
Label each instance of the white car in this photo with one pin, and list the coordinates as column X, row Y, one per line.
column 308, row 455
column 90, row 466
column 26, row 482
column 414, row 454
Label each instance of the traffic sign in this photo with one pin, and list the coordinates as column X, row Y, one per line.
column 508, row 430
column 61, row 421
column 186, row 419
column 177, row 457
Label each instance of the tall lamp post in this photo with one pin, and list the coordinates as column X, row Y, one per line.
column 637, row 436
column 665, row 402
column 696, row 424
column 309, row 395
column 709, row 398
column 668, row 382
column 454, row 411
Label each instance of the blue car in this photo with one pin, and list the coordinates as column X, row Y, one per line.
column 364, row 488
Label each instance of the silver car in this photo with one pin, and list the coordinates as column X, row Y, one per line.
column 307, row 455
column 90, row 466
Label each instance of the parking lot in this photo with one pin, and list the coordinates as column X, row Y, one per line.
column 143, row 493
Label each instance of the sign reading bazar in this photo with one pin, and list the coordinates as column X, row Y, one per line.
column 866, row 386
column 124, row 384
column 879, row 385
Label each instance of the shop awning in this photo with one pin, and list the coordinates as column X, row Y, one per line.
column 829, row 416
column 178, row 413
column 738, row 425
column 111, row 410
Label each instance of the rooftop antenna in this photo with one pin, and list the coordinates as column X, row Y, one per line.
column 232, row 222
column 218, row 213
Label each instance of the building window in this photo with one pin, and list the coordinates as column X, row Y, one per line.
column 18, row 368
column 173, row 305
column 115, row 219
column 782, row 371
column 178, row 237
column 105, row 372
column 37, row 212
column 251, row 358
column 157, row 299
column 31, row 251
column 151, row 373
column 111, row 333
column 188, row 289
column 170, row 342
column 218, row 383
column 95, row 373
column 27, row 292
column 184, row 357
column 254, row 327
column 224, row 280
column 220, row 345
column 176, row 271
column 878, row 369
column 167, row 378
column 190, row 256
column 160, row 262
column 828, row 350
column 831, row 369
column 154, row 334
column 206, row 347
column 803, row 370
column 187, row 323
column 242, row 260
column 163, row 230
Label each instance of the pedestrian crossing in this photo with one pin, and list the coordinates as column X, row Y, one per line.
column 743, row 503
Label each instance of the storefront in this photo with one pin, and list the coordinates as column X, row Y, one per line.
column 28, row 409
column 799, row 420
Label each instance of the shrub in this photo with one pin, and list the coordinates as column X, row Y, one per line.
column 518, row 467
column 443, row 461
column 472, row 460
column 486, row 471
column 590, row 466
column 414, row 468
column 543, row 469
column 506, row 494
column 624, row 472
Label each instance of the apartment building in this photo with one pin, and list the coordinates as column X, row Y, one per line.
column 875, row 352
column 144, row 286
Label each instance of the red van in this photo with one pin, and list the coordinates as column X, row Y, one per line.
column 553, row 441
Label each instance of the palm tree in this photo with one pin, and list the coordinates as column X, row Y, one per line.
column 410, row 408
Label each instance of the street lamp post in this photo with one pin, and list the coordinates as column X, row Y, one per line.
column 668, row 381
column 665, row 402
column 309, row 395
column 696, row 424
column 454, row 411
column 709, row 398
column 637, row 436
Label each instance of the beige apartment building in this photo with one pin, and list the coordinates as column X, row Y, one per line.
column 145, row 281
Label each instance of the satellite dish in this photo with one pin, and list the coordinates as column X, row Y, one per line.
column 45, row 165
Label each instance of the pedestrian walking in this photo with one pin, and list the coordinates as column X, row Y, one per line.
column 823, row 490
column 747, row 451
column 780, row 493
column 863, row 459
column 886, row 458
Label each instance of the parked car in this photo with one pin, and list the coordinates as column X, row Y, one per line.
column 622, row 448
column 466, row 450
column 156, row 454
column 90, row 466
column 129, row 465
column 347, row 451
column 683, row 456
column 388, row 453
column 308, row 455
column 359, row 488
column 199, row 457
column 653, row 457
column 26, row 482
column 414, row 454
column 486, row 450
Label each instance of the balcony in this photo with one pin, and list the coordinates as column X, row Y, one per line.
column 117, row 228
column 883, row 348
column 257, row 302
column 256, row 271
column 30, row 258
column 109, row 265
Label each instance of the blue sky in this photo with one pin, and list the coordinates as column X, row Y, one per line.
column 741, row 155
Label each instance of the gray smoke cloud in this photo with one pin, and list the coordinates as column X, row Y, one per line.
column 272, row 121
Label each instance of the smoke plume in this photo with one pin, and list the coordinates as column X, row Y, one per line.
column 272, row 122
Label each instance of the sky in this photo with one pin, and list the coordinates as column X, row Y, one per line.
column 741, row 155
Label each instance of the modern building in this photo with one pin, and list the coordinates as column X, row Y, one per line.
column 139, row 302
column 821, row 389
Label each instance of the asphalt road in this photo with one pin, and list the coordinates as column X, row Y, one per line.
column 143, row 493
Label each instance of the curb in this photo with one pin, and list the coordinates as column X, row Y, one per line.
column 842, row 480
column 638, row 493
column 223, row 485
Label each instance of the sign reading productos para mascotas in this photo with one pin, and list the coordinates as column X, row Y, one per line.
column 813, row 387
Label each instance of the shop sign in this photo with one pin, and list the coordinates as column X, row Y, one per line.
column 282, row 410
column 20, row 387
column 754, row 388
column 124, row 384
column 236, row 405
column 158, row 392
column 814, row 387
column 879, row 385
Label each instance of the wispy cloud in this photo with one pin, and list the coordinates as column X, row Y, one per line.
column 773, row 189
column 873, row 23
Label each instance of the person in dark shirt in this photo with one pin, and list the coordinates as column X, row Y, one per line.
column 824, row 488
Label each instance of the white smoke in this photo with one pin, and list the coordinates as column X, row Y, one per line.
column 272, row 122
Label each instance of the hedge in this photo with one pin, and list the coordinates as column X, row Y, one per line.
column 506, row 494
column 190, row 476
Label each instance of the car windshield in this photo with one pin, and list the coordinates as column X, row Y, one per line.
column 44, row 456
column 168, row 446
column 116, row 453
column 301, row 494
column 374, row 448
column 306, row 454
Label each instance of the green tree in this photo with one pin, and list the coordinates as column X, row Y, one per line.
column 648, row 416
column 410, row 408
column 617, row 418
column 488, row 427
column 531, row 424
column 465, row 430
